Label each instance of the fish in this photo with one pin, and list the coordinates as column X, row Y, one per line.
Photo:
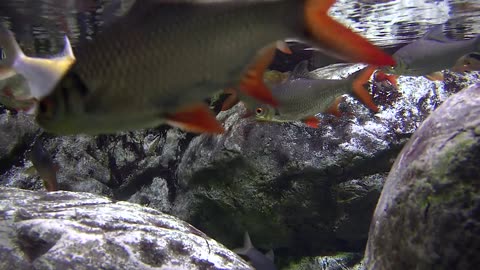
column 468, row 62
column 429, row 55
column 304, row 95
column 258, row 260
column 157, row 64
column 41, row 74
column 44, row 165
column 14, row 92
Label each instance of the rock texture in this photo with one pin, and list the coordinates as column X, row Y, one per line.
column 428, row 216
column 65, row 230
column 136, row 166
column 16, row 133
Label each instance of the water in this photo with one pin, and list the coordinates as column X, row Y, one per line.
column 41, row 24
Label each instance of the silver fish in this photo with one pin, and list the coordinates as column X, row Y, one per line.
column 41, row 74
column 258, row 260
column 303, row 96
column 432, row 53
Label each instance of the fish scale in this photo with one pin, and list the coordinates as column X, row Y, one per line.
column 303, row 95
column 160, row 61
column 307, row 97
column 125, row 83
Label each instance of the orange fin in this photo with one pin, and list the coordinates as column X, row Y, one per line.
column 334, row 109
column 435, row 76
column 50, row 184
column 283, row 47
column 311, row 121
column 359, row 90
column 252, row 83
column 197, row 118
column 340, row 40
column 231, row 100
column 381, row 76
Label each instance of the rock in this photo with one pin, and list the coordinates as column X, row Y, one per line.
column 295, row 189
column 428, row 216
column 118, row 166
column 340, row 261
column 66, row 230
column 16, row 133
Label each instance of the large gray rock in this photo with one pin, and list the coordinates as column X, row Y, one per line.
column 65, row 230
column 428, row 216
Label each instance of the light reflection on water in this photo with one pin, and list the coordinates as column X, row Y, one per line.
column 41, row 24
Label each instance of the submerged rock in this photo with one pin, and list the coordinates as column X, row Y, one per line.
column 340, row 261
column 16, row 133
column 428, row 216
column 65, row 230
column 296, row 188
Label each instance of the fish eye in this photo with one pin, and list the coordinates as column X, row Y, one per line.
column 259, row 111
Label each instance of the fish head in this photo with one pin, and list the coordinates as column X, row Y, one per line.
column 264, row 112
column 63, row 110
column 400, row 68
column 468, row 62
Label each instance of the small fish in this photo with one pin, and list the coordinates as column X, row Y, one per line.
column 468, row 62
column 44, row 165
column 156, row 64
column 258, row 260
column 41, row 74
column 303, row 96
column 431, row 54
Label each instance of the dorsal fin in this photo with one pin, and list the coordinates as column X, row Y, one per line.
column 247, row 245
column 436, row 33
column 270, row 255
column 67, row 49
column 301, row 71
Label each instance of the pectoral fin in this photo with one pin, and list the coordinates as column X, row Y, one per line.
column 196, row 118
column 435, row 76
column 312, row 121
column 252, row 83
column 334, row 108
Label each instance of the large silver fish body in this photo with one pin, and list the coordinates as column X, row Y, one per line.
column 432, row 53
column 161, row 58
column 115, row 85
